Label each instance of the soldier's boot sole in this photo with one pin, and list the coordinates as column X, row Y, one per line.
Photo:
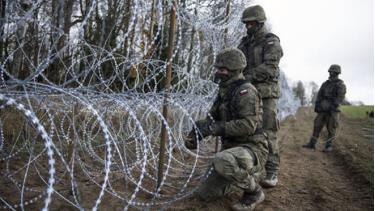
column 248, row 207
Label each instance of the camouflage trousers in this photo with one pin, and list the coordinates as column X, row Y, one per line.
column 270, row 127
column 234, row 170
column 331, row 121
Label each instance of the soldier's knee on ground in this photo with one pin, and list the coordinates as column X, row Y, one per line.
column 205, row 196
column 213, row 187
column 209, row 196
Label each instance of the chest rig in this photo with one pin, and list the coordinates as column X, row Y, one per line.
column 329, row 89
column 253, row 48
column 224, row 105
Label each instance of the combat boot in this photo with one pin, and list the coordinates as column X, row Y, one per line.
column 311, row 144
column 249, row 201
column 270, row 181
column 328, row 147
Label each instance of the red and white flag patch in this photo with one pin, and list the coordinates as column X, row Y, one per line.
column 243, row 92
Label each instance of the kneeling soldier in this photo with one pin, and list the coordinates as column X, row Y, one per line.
column 237, row 118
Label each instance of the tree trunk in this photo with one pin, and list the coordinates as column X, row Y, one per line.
column 127, row 17
column 167, row 86
column 2, row 23
column 36, row 41
column 17, row 70
column 190, row 59
column 151, row 32
column 227, row 10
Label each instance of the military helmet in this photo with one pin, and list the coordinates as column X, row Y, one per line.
column 254, row 13
column 335, row 68
column 231, row 58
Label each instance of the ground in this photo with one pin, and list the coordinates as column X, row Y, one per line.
column 308, row 180
column 313, row 180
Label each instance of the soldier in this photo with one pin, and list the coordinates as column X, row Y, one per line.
column 263, row 53
column 237, row 118
column 330, row 95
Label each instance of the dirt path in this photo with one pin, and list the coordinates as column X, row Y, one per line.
column 312, row 180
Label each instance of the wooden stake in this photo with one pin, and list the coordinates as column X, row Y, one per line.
column 167, row 87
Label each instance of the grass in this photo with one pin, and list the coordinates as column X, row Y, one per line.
column 356, row 111
column 357, row 145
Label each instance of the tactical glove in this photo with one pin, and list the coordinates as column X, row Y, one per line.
column 203, row 129
column 317, row 108
column 217, row 128
column 197, row 134
column 263, row 73
column 259, row 75
column 334, row 107
column 191, row 142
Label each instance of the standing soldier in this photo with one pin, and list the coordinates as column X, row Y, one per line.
column 263, row 53
column 331, row 94
column 237, row 118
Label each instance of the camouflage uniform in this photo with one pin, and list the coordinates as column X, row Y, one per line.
column 263, row 53
column 330, row 95
column 244, row 144
column 237, row 115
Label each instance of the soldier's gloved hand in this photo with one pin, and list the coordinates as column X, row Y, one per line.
column 317, row 107
column 259, row 74
column 334, row 107
column 198, row 132
column 203, row 129
column 260, row 77
column 217, row 128
column 191, row 141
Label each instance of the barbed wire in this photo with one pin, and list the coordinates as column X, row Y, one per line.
column 86, row 134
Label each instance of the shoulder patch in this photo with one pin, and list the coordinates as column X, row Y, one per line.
column 243, row 92
column 271, row 35
column 270, row 43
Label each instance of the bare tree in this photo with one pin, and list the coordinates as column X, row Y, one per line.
column 314, row 92
column 299, row 92
column 85, row 39
column 2, row 21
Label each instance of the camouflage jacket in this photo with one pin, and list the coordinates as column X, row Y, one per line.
column 239, row 106
column 330, row 95
column 263, row 53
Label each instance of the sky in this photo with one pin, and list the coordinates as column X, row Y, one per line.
column 317, row 33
